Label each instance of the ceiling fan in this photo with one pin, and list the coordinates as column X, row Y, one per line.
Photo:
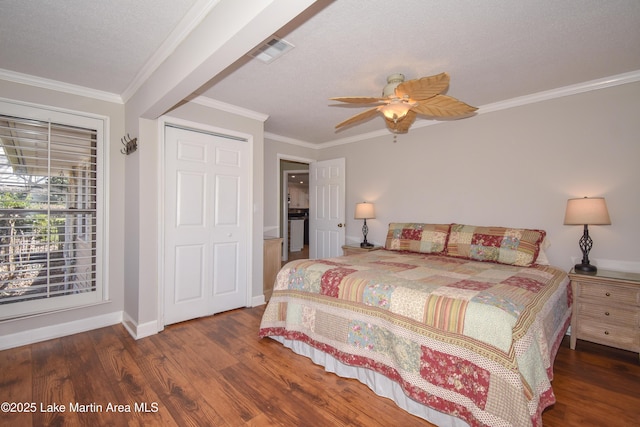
column 402, row 101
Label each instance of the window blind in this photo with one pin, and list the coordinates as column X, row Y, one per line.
column 48, row 210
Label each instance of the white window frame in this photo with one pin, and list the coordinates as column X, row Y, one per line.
column 100, row 123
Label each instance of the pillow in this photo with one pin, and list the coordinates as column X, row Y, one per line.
column 542, row 255
column 417, row 237
column 542, row 258
column 511, row 246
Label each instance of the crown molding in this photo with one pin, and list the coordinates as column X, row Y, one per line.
column 40, row 82
column 575, row 89
column 292, row 141
column 229, row 108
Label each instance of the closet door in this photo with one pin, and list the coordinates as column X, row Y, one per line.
column 206, row 229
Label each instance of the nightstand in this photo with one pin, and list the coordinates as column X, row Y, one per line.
column 353, row 250
column 272, row 253
column 606, row 309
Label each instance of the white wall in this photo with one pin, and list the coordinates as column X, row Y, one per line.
column 20, row 331
column 514, row 167
column 141, row 266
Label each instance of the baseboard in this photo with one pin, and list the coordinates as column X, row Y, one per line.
column 138, row 331
column 258, row 300
column 32, row 336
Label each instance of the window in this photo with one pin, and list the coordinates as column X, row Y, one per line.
column 51, row 206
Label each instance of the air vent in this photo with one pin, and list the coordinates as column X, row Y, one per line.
column 271, row 50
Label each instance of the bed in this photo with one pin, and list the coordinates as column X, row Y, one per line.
column 458, row 324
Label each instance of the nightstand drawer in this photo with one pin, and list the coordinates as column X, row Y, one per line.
column 614, row 294
column 603, row 333
column 608, row 313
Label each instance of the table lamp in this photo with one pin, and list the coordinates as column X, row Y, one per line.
column 365, row 211
column 586, row 211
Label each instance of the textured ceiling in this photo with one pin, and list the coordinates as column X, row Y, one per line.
column 494, row 50
column 98, row 44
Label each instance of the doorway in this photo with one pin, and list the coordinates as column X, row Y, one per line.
column 294, row 209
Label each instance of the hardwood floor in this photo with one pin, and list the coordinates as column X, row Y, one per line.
column 215, row 371
column 303, row 254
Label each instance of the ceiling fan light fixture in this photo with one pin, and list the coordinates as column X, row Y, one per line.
column 396, row 110
column 402, row 102
column 392, row 83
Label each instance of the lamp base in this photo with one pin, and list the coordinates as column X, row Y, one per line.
column 366, row 245
column 585, row 269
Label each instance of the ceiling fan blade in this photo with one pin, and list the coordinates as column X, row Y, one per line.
column 443, row 106
column 424, row 88
column 401, row 126
column 358, row 117
column 358, row 99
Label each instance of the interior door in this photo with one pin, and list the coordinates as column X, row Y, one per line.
column 206, row 224
column 326, row 208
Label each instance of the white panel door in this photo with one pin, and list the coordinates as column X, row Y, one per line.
column 326, row 208
column 206, row 224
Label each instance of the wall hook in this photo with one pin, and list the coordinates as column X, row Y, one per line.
column 130, row 145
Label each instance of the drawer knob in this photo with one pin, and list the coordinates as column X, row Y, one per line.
column 608, row 294
column 606, row 332
column 606, row 313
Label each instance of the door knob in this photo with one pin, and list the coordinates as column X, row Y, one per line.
column 340, row 225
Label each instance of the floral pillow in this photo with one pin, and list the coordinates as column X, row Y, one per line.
column 417, row 237
column 512, row 246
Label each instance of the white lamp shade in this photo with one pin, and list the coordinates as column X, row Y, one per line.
column 365, row 211
column 587, row 211
column 396, row 110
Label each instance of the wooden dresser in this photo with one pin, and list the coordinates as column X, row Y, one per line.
column 606, row 309
column 272, row 261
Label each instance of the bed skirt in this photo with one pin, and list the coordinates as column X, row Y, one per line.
column 378, row 383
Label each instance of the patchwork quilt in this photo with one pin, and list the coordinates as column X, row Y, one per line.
column 475, row 340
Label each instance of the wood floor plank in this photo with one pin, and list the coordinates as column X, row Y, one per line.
column 215, row 371
column 195, row 336
column 276, row 402
column 203, row 368
column 16, row 377
column 52, row 384
column 593, row 386
column 93, row 395
column 299, row 377
column 187, row 407
column 124, row 374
